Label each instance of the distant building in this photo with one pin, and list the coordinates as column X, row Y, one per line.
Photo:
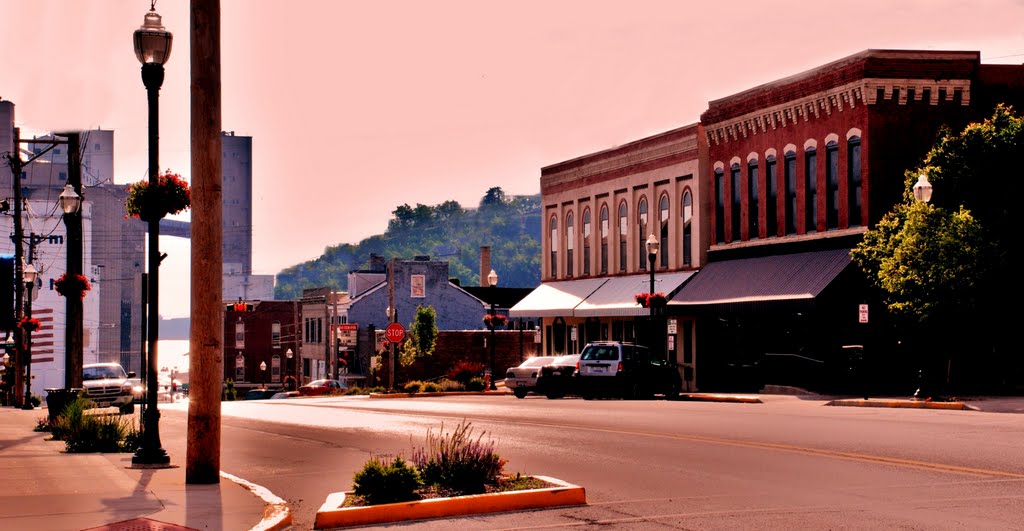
column 236, row 183
column 261, row 334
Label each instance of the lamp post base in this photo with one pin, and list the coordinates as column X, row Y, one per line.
column 145, row 457
column 27, row 406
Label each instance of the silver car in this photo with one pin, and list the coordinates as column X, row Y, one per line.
column 523, row 379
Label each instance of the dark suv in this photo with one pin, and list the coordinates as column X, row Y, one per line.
column 626, row 370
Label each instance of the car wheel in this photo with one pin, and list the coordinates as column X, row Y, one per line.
column 520, row 393
column 128, row 409
column 673, row 392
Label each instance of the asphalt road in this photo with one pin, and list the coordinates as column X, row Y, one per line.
column 786, row 464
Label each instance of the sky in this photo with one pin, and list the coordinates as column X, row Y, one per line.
column 356, row 108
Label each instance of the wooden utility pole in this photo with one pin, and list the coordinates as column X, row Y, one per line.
column 73, row 305
column 206, row 347
column 19, row 261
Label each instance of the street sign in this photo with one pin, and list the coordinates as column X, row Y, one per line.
column 395, row 332
column 862, row 313
column 672, row 326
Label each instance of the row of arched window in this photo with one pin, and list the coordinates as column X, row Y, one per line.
column 640, row 229
column 791, row 195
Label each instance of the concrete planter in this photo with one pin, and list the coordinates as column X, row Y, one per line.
column 331, row 513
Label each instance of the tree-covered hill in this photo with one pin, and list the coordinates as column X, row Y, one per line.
column 510, row 225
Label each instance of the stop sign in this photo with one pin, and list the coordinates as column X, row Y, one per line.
column 395, row 332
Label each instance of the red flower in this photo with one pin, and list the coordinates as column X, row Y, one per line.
column 148, row 202
column 72, row 285
column 651, row 300
column 29, row 324
column 495, row 320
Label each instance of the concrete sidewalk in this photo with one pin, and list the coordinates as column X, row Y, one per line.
column 47, row 489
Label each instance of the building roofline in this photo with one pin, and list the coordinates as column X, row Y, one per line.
column 672, row 134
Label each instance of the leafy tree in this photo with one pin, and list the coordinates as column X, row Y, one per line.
column 947, row 263
column 494, row 196
column 424, row 330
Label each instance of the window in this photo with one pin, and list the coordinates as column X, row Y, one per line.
column 663, row 229
column 811, row 190
column 753, row 210
column 832, row 185
column 853, row 182
column 56, row 151
column 604, row 239
column 790, row 177
column 96, row 147
column 687, row 212
column 623, row 232
column 553, row 231
column 586, row 241
column 275, row 368
column 736, row 206
column 570, row 245
column 641, row 223
column 772, row 182
column 275, row 334
column 239, row 368
column 719, row 206
column 239, row 335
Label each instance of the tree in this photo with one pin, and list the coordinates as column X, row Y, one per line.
column 424, row 330
column 945, row 265
column 494, row 196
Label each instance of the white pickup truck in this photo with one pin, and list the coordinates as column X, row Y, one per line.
column 108, row 385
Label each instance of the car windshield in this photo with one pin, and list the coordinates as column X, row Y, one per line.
column 537, row 361
column 103, row 373
column 600, row 353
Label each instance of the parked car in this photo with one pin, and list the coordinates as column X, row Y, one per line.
column 138, row 390
column 322, row 387
column 627, row 370
column 107, row 385
column 523, row 379
column 260, row 394
column 558, row 378
column 284, row 394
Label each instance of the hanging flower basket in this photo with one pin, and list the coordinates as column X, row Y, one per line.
column 29, row 324
column 152, row 201
column 72, row 285
column 495, row 320
column 651, row 300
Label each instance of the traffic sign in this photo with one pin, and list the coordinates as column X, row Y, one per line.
column 395, row 332
column 862, row 313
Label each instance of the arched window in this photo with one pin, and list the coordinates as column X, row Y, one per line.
column 736, row 205
column 275, row 368
column 771, row 201
column 641, row 223
column 663, row 229
column 623, row 233
column 790, row 177
column 811, row 189
column 687, row 213
column 719, row 206
column 586, row 241
column 604, row 239
column 570, row 245
column 832, row 185
column 853, row 182
column 553, row 231
column 753, row 200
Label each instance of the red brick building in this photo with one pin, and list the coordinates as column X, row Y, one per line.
column 261, row 332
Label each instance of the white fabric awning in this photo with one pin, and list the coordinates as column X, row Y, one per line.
column 556, row 299
column 617, row 296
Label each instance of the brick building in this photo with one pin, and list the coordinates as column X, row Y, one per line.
column 261, row 332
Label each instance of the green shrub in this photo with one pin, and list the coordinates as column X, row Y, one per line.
column 450, row 385
column 42, row 424
column 476, row 384
column 132, row 440
column 229, row 393
column 431, row 387
column 378, row 389
column 380, row 482
column 356, row 391
column 458, row 462
column 98, row 433
column 413, row 386
column 71, row 420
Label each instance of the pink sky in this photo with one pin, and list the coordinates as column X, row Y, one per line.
column 357, row 107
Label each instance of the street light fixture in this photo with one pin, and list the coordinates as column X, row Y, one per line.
column 492, row 281
column 923, row 189
column 653, row 245
column 70, row 201
column 152, row 48
column 289, row 354
column 652, row 252
column 263, row 372
column 29, row 274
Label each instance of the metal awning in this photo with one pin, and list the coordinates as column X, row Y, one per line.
column 796, row 276
column 617, row 297
column 555, row 299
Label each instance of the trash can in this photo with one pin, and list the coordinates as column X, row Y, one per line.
column 58, row 399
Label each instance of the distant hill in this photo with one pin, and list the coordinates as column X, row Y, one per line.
column 510, row 225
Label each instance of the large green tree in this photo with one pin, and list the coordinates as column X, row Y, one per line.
column 942, row 267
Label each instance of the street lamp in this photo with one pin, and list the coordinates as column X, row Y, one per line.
column 152, row 48
column 653, row 244
column 263, row 372
column 70, row 201
column 289, row 354
column 28, row 275
column 492, row 281
column 923, row 189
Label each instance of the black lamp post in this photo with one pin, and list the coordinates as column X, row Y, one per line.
column 263, row 373
column 28, row 275
column 289, row 354
column 653, row 244
column 152, row 48
column 922, row 194
column 492, row 281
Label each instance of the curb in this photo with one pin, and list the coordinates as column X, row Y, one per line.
column 276, row 514
column 915, row 404
column 331, row 515
column 441, row 393
column 714, row 397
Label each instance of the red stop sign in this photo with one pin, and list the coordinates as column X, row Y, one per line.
column 395, row 332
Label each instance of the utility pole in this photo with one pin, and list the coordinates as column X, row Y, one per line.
column 206, row 358
column 19, row 258
column 73, row 305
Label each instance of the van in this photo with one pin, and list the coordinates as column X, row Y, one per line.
column 627, row 370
